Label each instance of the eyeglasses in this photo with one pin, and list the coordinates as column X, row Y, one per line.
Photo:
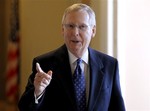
column 82, row 27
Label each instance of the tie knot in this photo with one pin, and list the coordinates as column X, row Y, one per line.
column 79, row 61
column 78, row 69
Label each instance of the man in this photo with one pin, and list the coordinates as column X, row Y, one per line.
column 51, row 86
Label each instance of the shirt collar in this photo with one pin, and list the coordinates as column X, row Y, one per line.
column 73, row 58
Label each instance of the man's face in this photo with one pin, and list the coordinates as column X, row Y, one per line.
column 77, row 32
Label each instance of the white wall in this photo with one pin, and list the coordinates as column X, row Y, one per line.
column 134, row 52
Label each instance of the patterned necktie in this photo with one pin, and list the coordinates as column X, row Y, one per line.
column 79, row 86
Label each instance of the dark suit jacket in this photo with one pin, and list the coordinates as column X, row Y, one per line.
column 105, row 93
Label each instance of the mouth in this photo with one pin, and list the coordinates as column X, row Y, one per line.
column 75, row 41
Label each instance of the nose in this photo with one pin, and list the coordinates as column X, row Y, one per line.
column 76, row 31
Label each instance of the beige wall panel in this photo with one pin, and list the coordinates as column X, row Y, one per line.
column 100, row 40
column 40, row 22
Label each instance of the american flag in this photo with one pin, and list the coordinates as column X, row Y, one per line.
column 12, row 72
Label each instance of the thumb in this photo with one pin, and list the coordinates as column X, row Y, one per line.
column 50, row 73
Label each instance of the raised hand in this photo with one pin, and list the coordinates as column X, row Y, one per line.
column 41, row 80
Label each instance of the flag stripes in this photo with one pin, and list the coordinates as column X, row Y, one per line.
column 12, row 73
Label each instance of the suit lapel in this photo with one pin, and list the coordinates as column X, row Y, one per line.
column 96, row 78
column 65, row 76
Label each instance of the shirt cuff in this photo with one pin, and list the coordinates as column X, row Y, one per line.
column 37, row 98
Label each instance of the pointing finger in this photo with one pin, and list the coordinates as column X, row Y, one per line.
column 38, row 68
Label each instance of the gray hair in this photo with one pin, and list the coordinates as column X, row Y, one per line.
column 78, row 7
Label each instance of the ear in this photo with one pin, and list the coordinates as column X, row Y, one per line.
column 62, row 30
column 93, row 31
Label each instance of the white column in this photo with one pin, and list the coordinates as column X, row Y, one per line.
column 134, row 52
